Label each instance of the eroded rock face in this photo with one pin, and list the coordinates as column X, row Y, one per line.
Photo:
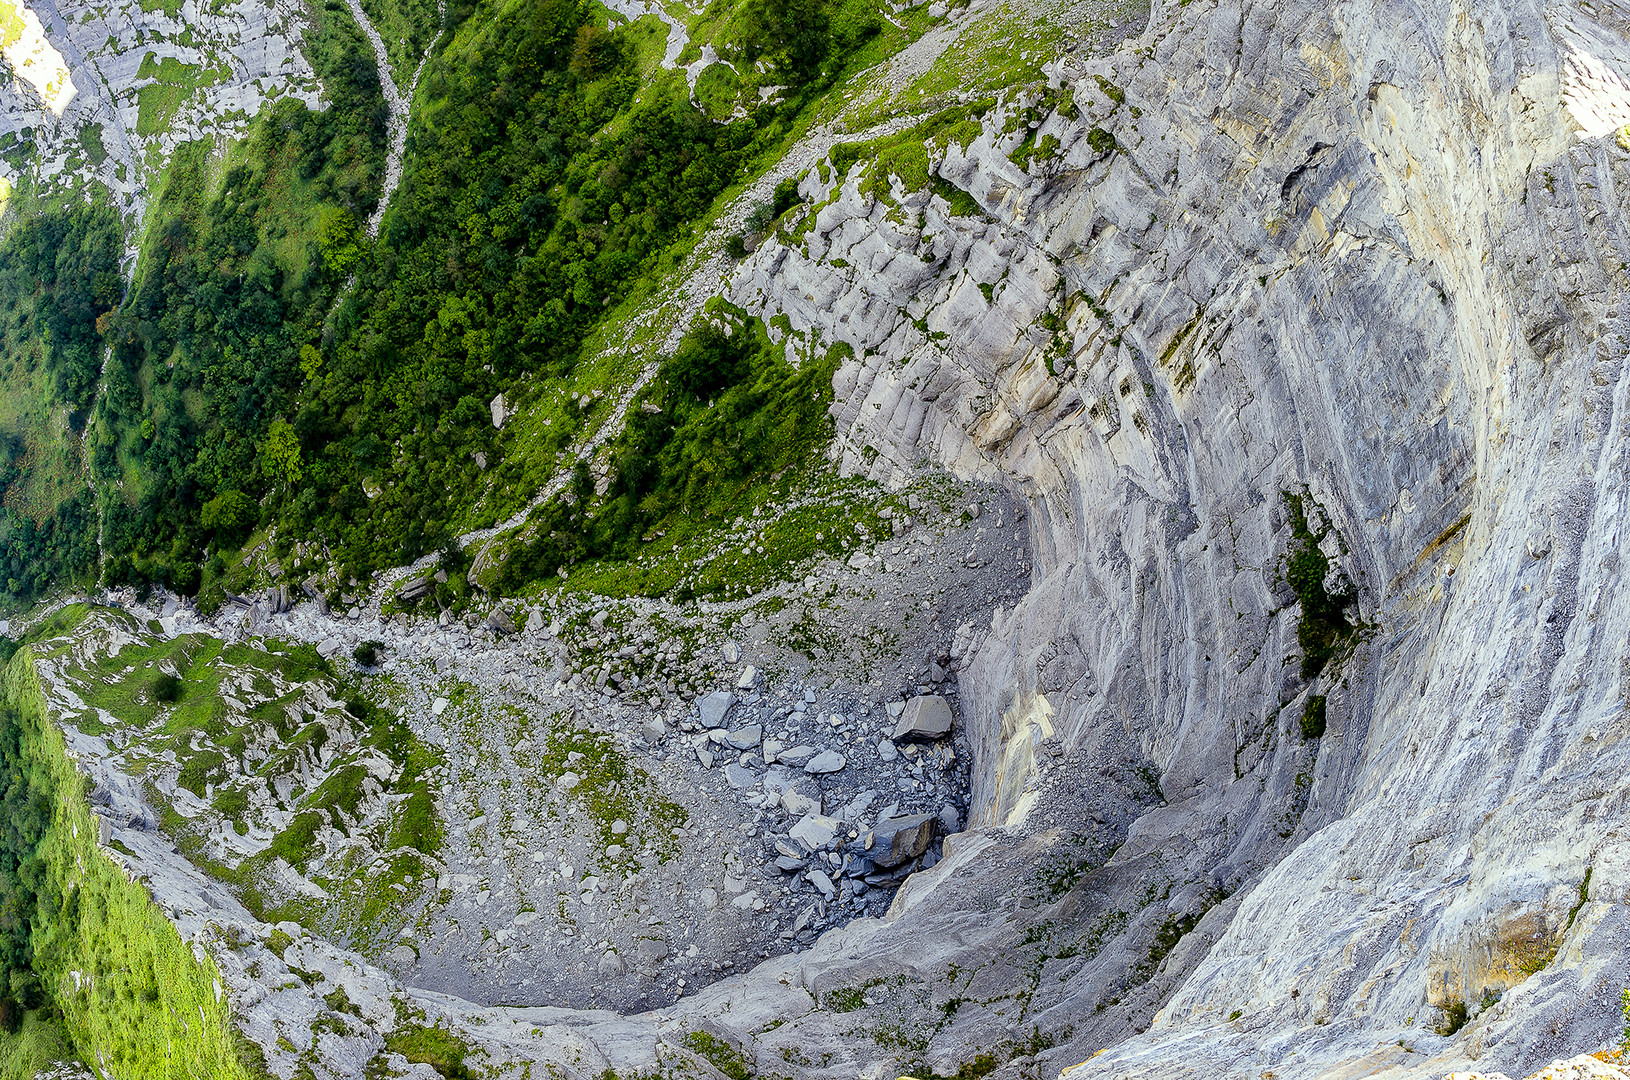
column 1346, row 280
column 1303, row 343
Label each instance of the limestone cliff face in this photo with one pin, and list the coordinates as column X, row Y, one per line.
column 1370, row 257
column 131, row 82
column 1278, row 279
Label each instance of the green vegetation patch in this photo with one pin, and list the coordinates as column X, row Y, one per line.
column 1323, row 629
column 196, row 703
column 725, row 418
column 1313, row 716
column 435, row 1046
column 719, row 1053
column 612, row 789
column 59, row 273
column 130, row 993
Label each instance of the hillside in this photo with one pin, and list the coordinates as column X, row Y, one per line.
column 1022, row 538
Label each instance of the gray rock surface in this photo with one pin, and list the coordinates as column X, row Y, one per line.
column 1347, row 279
column 894, row 840
column 714, row 707
column 925, row 717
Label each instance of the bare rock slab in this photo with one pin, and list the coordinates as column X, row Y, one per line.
column 897, row 839
column 925, row 718
column 715, row 707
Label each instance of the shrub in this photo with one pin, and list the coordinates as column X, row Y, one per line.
column 367, row 653
column 228, row 515
column 1624, row 1008
column 1313, row 717
column 166, row 688
column 1455, row 1015
column 1323, row 628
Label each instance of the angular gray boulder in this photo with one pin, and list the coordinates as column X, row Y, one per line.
column 713, row 708
column 925, row 718
column 895, row 840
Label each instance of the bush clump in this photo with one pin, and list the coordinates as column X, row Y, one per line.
column 1313, row 716
column 1323, row 628
column 1455, row 1015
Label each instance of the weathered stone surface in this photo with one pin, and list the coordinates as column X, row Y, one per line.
column 827, row 761
column 745, row 738
column 713, row 708
column 499, row 622
column 894, row 840
column 815, row 832
column 925, row 717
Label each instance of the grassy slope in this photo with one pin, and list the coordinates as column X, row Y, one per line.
column 134, row 997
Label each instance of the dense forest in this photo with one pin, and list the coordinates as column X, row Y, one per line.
column 27, row 899
column 272, row 366
column 59, row 273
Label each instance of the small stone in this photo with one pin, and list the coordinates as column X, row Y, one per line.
column 739, row 777
column 772, row 750
column 827, row 761
column 748, row 678
column 438, row 706
column 534, row 621
column 809, row 697
column 822, row 883
column 651, row 951
column 796, row 756
column 713, row 708
column 709, row 898
column 927, row 716
column 612, row 964
column 568, row 780
column 896, row 708
column 499, row 622
column 886, row 750
column 619, row 827
column 655, row 729
column 748, row 901
column 404, row 956
column 705, row 756
column 746, row 738
column 731, row 652
column 787, row 864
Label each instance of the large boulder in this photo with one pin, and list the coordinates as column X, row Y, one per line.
column 499, row 622
column 713, row 708
column 925, row 717
column 416, row 588
column 895, row 840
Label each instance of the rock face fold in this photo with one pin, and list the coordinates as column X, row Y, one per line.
column 1300, row 330
column 1307, row 347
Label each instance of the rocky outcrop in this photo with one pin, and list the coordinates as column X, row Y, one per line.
column 1300, row 279
column 1299, row 333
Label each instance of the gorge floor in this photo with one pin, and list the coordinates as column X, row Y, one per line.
column 604, row 844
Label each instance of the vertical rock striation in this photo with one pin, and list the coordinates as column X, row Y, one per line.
column 1306, row 346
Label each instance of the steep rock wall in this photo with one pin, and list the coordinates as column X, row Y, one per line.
column 1366, row 254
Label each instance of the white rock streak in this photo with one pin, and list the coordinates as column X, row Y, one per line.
column 33, row 58
column 398, row 103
